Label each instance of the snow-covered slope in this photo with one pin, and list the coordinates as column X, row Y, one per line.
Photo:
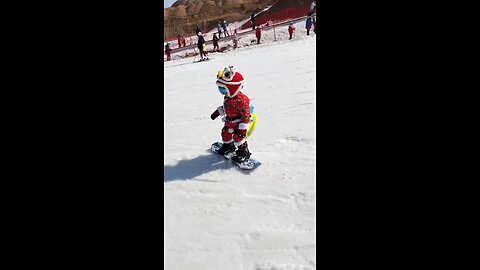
column 216, row 215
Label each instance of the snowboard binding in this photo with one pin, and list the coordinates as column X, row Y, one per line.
column 242, row 154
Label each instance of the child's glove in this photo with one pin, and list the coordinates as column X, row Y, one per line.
column 215, row 114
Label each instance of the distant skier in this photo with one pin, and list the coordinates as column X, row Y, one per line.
column 235, row 39
column 219, row 29
column 291, row 28
column 167, row 51
column 313, row 6
column 179, row 40
column 236, row 109
column 308, row 24
column 258, row 34
column 224, row 26
column 215, row 42
column 252, row 18
column 184, row 42
column 201, row 46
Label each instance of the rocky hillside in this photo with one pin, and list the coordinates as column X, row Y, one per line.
column 185, row 15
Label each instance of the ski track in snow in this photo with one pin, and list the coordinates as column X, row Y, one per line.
column 218, row 216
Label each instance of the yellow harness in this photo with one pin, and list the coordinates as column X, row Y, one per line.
column 253, row 119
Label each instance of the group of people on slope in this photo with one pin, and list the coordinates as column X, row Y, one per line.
column 222, row 28
column 181, row 41
column 215, row 40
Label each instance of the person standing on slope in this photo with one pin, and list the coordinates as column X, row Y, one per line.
column 291, row 28
column 236, row 110
column 167, row 51
column 215, row 43
column 313, row 6
column 201, row 46
column 224, row 26
column 308, row 24
column 184, row 42
column 235, row 39
column 258, row 34
column 252, row 18
column 219, row 29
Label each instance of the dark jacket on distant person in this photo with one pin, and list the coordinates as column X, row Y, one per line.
column 201, row 39
column 309, row 23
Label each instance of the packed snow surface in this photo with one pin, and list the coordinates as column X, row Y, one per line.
column 216, row 215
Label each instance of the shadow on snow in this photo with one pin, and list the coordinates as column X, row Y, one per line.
column 190, row 168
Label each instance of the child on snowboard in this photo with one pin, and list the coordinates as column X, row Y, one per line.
column 236, row 109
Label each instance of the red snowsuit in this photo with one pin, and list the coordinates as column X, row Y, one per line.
column 237, row 118
column 290, row 30
column 258, row 33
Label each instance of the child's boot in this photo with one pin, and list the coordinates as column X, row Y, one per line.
column 242, row 153
column 226, row 148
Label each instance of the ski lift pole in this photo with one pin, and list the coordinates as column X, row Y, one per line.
column 274, row 34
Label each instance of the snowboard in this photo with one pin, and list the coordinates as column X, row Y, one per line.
column 247, row 165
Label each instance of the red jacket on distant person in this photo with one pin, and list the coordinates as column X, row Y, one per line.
column 258, row 31
column 290, row 29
